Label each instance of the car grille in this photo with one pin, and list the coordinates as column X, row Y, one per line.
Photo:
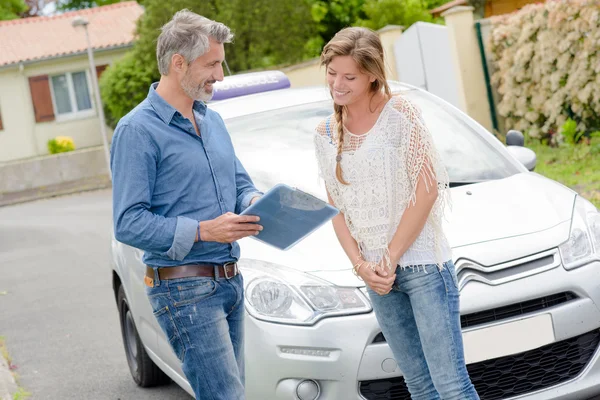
column 514, row 310
column 509, row 376
column 510, row 311
column 468, row 270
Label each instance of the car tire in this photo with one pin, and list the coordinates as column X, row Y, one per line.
column 143, row 370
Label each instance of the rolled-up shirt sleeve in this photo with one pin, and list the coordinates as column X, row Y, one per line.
column 133, row 163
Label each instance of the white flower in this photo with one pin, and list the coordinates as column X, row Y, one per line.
column 547, row 59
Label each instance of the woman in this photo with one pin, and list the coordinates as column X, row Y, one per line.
column 383, row 172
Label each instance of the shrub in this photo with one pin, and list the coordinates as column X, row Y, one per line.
column 547, row 60
column 60, row 144
column 125, row 84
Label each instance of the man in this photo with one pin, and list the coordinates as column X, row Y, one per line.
column 177, row 190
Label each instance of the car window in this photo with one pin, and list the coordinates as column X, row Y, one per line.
column 467, row 156
column 277, row 145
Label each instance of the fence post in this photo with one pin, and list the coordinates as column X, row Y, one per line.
column 467, row 60
column 388, row 36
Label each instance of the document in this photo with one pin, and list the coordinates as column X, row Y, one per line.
column 288, row 215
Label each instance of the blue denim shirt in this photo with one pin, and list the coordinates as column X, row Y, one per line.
column 166, row 179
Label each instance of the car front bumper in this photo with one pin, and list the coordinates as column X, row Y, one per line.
column 342, row 353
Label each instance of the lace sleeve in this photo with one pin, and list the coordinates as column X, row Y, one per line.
column 421, row 157
column 322, row 140
column 325, row 151
column 326, row 128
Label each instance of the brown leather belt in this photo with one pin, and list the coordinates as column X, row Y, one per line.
column 226, row 271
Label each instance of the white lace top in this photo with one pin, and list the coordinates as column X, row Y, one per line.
column 382, row 168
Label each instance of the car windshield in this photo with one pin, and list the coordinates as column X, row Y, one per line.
column 279, row 142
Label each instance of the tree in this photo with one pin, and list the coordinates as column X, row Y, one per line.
column 11, row 9
column 69, row 5
column 380, row 13
column 331, row 16
column 267, row 32
column 35, row 8
column 125, row 84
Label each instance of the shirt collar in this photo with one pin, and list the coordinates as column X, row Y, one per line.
column 166, row 111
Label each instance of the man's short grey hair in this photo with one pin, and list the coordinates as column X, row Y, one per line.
column 188, row 35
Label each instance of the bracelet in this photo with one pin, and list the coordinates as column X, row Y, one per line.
column 198, row 231
column 356, row 268
column 359, row 263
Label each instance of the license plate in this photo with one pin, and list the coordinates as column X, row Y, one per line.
column 509, row 338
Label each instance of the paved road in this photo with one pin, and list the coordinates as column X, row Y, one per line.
column 58, row 315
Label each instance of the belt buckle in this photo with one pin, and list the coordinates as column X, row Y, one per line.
column 225, row 270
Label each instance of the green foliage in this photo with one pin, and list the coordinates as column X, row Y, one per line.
column 21, row 394
column 581, row 145
column 380, row 13
column 332, row 16
column 12, row 9
column 60, row 144
column 545, row 58
column 68, row 5
column 125, row 84
column 267, row 33
column 262, row 38
column 570, row 132
column 579, row 172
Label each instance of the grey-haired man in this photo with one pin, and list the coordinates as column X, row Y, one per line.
column 177, row 191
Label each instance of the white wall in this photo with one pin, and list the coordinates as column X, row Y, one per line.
column 57, row 169
column 424, row 59
column 22, row 137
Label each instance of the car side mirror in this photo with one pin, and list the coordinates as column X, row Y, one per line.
column 515, row 138
column 515, row 143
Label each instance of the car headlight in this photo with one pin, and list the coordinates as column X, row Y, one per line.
column 583, row 244
column 279, row 294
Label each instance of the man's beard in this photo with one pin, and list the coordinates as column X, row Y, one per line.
column 195, row 91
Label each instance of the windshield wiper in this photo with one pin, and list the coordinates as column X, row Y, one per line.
column 462, row 183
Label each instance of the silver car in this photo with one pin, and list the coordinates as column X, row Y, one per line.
column 527, row 251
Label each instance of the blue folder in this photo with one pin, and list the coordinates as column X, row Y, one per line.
column 288, row 215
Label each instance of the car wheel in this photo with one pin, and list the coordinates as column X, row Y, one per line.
column 143, row 370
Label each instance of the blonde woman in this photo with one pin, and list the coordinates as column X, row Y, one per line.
column 383, row 172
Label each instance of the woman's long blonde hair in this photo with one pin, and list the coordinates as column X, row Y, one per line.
column 364, row 46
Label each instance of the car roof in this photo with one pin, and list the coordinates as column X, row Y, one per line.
column 277, row 99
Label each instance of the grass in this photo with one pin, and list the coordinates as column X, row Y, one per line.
column 20, row 394
column 4, row 351
column 578, row 169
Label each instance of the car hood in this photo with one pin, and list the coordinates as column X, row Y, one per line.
column 522, row 204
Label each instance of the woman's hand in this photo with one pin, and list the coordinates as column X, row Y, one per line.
column 375, row 278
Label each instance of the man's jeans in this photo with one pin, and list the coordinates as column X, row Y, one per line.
column 421, row 322
column 203, row 319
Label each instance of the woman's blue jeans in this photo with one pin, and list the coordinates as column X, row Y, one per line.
column 420, row 320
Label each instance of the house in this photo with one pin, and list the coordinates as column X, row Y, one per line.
column 491, row 8
column 45, row 84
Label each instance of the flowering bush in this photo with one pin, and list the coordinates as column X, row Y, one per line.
column 60, row 144
column 547, row 59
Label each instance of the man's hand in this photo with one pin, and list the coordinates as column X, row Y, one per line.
column 229, row 228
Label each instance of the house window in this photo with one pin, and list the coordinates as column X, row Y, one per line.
column 71, row 95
